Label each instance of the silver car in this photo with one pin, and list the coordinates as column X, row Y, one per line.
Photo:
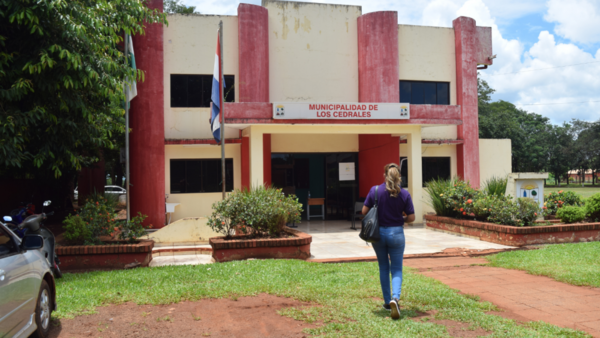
column 27, row 288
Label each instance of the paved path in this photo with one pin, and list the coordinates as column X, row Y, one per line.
column 335, row 239
column 523, row 296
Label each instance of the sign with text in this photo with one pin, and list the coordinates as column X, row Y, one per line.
column 341, row 111
column 347, row 171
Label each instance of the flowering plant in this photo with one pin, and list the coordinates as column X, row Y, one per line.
column 556, row 200
column 96, row 218
column 261, row 211
column 459, row 198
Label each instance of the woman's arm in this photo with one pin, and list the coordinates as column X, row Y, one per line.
column 409, row 219
column 365, row 209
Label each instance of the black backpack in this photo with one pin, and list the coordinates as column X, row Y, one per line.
column 370, row 224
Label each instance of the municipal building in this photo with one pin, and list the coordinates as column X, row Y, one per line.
column 318, row 98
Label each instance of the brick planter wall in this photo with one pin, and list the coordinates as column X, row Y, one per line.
column 239, row 248
column 517, row 236
column 115, row 256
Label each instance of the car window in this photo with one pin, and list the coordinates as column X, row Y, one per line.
column 7, row 245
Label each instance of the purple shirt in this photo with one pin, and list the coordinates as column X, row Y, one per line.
column 390, row 209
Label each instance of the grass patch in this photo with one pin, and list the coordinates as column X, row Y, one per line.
column 344, row 292
column 577, row 264
column 576, row 188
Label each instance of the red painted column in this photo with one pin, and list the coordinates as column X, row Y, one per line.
column 467, row 154
column 245, row 148
column 267, row 158
column 378, row 64
column 378, row 81
column 374, row 152
column 147, row 138
column 253, row 43
column 253, row 82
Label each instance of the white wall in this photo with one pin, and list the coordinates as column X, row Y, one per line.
column 190, row 43
column 495, row 158
column 199, row 204
column 313, row 52
column 427, row 54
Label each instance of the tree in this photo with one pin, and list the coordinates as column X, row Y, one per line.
column 560, row 151
column 62, row 71
column 175, row 6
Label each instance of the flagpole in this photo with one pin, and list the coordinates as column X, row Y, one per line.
column 221, row 79
column 127, row 131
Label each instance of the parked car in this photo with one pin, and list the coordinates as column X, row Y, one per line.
column 27, row 287
column 108, row 189
column 114, row 189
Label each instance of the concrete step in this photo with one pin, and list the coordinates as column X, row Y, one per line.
column 175, row 250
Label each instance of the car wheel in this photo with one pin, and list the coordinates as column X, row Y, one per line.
column 43, row 309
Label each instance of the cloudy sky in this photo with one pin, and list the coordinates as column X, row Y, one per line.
column 548, row 50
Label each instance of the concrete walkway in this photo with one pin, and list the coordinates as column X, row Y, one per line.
column 522, row 296
column 335, row 239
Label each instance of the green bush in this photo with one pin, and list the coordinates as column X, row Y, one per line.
column 571, row 214
column 503, row 211
column 459, row 198
column 556, row 200
column 261, row 211
column 592, row 207
column 528, row 211
column 134, row 229
column 495, row 186
column 482, row 207
column 435, row 190
column 97, row 218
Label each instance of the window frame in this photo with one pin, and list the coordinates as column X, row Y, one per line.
column 437, row 91
column 202, row 80
column 228, row 163
column 423, row 159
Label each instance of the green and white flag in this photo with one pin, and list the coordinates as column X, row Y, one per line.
column 132, row 90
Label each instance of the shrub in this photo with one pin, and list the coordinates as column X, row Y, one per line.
column 459, row 198
column 482, row 207
column 261, row 211
column 528, row 211
column 495, row 186
column 592, row 207
column 134, row 229
column 571, row 214
column 436, row 189
column 503, row 211
column 556, row 200
column 97, row 218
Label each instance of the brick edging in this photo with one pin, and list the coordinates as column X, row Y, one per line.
column 507, row 229
column 144, row 245
column 300, row 238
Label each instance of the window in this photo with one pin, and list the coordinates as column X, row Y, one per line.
column 199, row 176
column 7, row 246
column 435, row 167
column 420, row 92
column 189, row 91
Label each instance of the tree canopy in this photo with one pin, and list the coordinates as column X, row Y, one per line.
column 62, row 70
column 537, row 144
column 175, row 6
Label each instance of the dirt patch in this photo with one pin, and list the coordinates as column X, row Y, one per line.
column 455, row 329
column 244, row 317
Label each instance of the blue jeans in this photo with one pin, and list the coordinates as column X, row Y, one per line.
column 390, row 248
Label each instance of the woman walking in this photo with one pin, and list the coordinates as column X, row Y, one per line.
column 392, row 202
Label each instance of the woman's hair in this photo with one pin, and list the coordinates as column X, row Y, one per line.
column 392, row 179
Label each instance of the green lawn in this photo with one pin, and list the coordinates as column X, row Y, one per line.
column 584, row 192
column 345, row 292
column 577, row 264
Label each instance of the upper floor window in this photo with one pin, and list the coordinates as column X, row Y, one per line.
column 191, row 91
column 421, row 92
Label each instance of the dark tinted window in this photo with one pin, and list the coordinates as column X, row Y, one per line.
column 198, row 176
column 435, row 167
column 421, row 92
column 194, row 90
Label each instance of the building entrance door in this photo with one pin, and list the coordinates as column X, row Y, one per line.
column 317, row 175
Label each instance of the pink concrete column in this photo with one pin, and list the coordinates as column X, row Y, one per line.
column 378, row 81
column 378, row 64
column 465, row 35
column 253, row 42
column 147, row 138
